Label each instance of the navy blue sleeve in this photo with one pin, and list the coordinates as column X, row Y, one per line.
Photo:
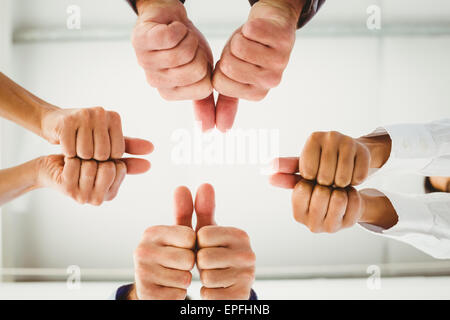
column 123, row 291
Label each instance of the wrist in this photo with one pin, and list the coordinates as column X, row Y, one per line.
column 46, row 112
column 293, row 8
column 378, row 210
column 379, row 148
column 141, row 5
column 132, row 294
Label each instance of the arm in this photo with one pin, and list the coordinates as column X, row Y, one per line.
column 419, row 220
column 422, row 148
column 17, row 181
column 86, row 181
column 88, row 133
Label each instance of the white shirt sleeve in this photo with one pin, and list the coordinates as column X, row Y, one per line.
column 423, row 222
column 418, row 148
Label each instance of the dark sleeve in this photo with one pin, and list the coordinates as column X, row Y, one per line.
column 122, row 293
column 309, row 10
column 133, row 4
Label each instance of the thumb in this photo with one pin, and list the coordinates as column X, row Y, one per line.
column 205, row 113
column 205, row 204
column 226, row 110
column 183, row 207
column 136, row 166
column 138, row 146
column 159, row 35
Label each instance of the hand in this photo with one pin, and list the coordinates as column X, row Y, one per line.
column 224, row 258
column 90, row 181
column 324, row 209
column 166, row 255
column 175, row 56
column 90, row 133
column 255, row 57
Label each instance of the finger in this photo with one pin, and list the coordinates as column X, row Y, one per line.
column 121, row 172
column 344, row 171
column 328, row 164
column 116, row 135
column 71, row 174
column 284, row 180
column 171, row 257
column 248, row 73
column 152, row 36
column 174, row 236
column 68, row 140
column 137, row 146
column 361, row 169
column 171, row 278
column 184, row 75
column 197, row 91
column 265, row 31
column 353, row 212
column 136, row 166
column 301, row 198
column 88, row 174
column 85, row 143
column 234, row 89
column 102, row 143
column 106, row 174
column 310, row 159
column 183, row 207
column 257, row 53
column 177, row 56
column 205, row 205
column 222, row 258
column 151, row 291
column 226, row 110
column 217, row 236
column 224, row 278
column 318, row 208
column 235, row 292
column 286, row 165
column 336, row 211
column 205, row 112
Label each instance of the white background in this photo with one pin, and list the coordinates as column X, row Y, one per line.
column 348, row 83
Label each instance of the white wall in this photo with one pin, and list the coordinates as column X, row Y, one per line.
column 351, row 84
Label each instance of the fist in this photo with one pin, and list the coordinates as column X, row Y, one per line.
column 254, row 58
column 326, row 209
column 163, row 263
column 226, row 263
column 91, row 133
column 332, row 158
column 90, row 181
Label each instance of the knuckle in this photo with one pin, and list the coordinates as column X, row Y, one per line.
column 238, row 46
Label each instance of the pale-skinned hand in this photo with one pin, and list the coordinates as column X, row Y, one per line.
column 91, row 181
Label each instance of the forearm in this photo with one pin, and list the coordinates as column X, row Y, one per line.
column 20, row 106
column 378, row 210
column 17, row 181
column 379, row 148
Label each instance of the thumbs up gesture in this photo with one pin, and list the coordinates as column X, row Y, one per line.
column 167, row 254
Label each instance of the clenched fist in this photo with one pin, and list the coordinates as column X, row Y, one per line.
column 175, row 56
column 334, row 159
column 90, row 133
column 167, row 254
column 255, row 57
column 326, row 209
column 91, row 181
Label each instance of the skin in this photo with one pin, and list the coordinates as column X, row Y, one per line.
column 323, row 198
column 325, row 209
column 254, row 58
column 177, row 59
column 89, row 133
column 334, row 159
column 441, row 184
column 167, row 254
column 86, row 181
